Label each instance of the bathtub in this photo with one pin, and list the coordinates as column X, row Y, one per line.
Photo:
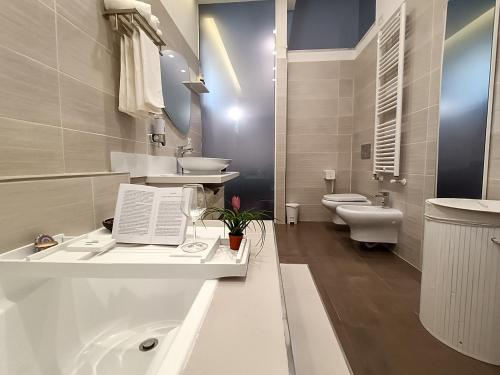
column 97, row 326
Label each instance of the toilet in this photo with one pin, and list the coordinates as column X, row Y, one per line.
column 332, row 201
column 372, row 224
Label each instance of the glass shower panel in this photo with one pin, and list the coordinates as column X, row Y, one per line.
column 464, row 98
column 237, row 58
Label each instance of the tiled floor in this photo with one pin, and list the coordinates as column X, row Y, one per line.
column 372, row 299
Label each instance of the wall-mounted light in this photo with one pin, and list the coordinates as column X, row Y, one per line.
column 235, row 113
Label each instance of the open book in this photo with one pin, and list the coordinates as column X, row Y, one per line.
column 149, row 215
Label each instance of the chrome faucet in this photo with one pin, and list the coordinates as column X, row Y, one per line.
column 384, row 198
column 181, row 151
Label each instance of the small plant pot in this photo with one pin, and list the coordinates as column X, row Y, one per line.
column 235, row 241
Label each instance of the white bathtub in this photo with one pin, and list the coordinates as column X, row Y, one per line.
column 95, row 326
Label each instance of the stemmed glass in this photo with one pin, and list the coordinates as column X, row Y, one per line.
column 193, row 205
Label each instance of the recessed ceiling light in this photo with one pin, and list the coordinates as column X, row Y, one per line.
column 183, row 71
column 171, row 56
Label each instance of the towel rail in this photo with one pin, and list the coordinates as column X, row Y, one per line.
column 389, row 92
column 128, row 18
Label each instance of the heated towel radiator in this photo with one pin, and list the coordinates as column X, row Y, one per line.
column 389, row 94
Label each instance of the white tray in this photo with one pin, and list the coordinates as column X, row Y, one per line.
column 125, row 261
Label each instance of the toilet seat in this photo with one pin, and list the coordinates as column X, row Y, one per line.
column 345, row 198
column 332, row 201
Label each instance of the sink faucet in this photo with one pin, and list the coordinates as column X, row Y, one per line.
column 181, row 151
column 384, row 201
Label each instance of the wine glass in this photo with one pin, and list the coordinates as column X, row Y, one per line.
column 193, row 205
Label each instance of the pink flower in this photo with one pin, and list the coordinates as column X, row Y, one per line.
column 236, row 203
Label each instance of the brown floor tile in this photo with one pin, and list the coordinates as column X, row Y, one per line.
column 372, row 299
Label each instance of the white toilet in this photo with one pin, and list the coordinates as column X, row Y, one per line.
column 372, row 224
column 332, row 201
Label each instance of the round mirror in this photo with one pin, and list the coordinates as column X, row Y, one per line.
column 176, row 96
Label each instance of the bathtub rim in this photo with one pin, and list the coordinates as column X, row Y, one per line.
column 171, row 360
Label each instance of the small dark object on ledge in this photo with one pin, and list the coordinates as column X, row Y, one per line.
column 43, row 242
column 108, row 224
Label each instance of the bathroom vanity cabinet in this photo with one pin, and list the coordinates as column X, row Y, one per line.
column 460, row 295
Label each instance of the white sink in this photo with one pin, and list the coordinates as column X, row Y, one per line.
column 199, row 165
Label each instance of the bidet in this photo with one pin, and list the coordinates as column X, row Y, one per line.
column 375, row 224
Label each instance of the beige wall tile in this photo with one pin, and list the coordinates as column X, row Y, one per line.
column 315, row 143
column 49, row 3
column 419, row 127
column 317, row 138
column 312, row 108
column 325, row 125
column 87, row 109
column 307, row 195
column 430, row 187
column 313, row 89
column 311, row 160
column 346, row 88
column 87, row 15
column 346, row 124
column 347, row 69
column 81, row 57
column 29, row 149
column 28, row 89
column 414, row 127
column 300, row 71
column 314, row 213
column 413, row 158
column 47, row 206
column 105, row 189
column 346, row 106
column 28, row 27
column 86, row 152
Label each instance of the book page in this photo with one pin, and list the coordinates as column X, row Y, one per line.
column 169, row 226
column 134, row 213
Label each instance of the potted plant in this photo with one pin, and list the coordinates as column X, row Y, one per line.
column 237, row 221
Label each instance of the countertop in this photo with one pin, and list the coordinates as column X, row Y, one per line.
column 245, row 328
column 192, row 178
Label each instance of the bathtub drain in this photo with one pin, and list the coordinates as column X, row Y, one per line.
column 148, row 344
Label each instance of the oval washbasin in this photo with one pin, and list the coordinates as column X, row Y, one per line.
column 199, row 165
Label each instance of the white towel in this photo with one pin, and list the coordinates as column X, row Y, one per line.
column 127, row 95
column 122, row 96
column 148, row 90
column 144, row 9
column 119, row 4
column 154, row 21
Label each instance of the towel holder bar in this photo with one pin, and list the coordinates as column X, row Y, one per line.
column 127, row 18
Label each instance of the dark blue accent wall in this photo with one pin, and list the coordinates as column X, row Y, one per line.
column 367, row 10
column 326, row 24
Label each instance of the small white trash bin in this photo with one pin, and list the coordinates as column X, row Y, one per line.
column 292, row 213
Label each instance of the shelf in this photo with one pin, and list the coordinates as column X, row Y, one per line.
column 128, row 260
column 197, row 87
column 127, row 18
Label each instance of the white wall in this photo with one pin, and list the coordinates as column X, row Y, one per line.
column 385, row 8
column 185, row 15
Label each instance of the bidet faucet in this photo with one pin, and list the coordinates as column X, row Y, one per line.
column 384, row 201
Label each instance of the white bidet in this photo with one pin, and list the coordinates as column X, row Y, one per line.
column 372, row 224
